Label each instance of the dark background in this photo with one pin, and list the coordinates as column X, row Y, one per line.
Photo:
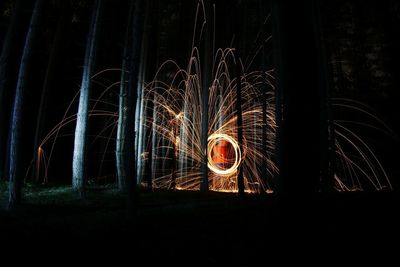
column 362, row 40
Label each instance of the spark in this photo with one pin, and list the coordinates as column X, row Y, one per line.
column 174, row 150
column 176, row 105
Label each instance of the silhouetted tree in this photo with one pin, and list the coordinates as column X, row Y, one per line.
column 122, row 115
column 327, row 137
column 15, row 168
column 126, row 150
column 10, row 55
column 298, row 98
column 240, row 178
column 132, row 92
column 264, row 137
column 206, row 69
column 80, row 145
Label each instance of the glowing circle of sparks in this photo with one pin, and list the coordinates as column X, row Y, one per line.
column 213, row 140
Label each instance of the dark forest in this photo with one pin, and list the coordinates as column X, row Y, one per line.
column 210, row 130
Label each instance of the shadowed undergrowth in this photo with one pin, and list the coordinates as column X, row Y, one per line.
column 168, row 225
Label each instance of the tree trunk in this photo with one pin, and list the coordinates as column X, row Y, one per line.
column 15, row 168
column 155, row 138
column 137, row 34
column 327, row 138
column 206, row 75
column 126, row 165
column 8, row 75
column 122, row 115
column 297, row 88
column 149, row 68
column 139, row 106
column 49, row 80
column 240, row 178
column 80, row 146
column 264, row 88
column 174, row 155
column 149, row 161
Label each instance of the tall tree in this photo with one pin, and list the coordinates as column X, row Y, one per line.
column 239, row 124
column 325, row 82
column 15, row 168
column 240, row 178
column 80, row 142
column 206, row 75
column 126, row 165
column 132, row 92
column 264, row 136
column 10, row 55
column 295, row 56
column 122, row 114
column 146, row 113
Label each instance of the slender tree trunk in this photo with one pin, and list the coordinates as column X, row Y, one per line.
column 174, row 155
column 149, row 161
column 264, row 136
column 80, row 142
column 8, row 72
column 240, row 178
column 15, row 168
column 139, row 107
column 297, row 82
column 277, row 42
column 53, row 61
column 128, row 136
column 122, row 115
column 206, row 83
column 126, row 166
column 327, row 138
column 155, row 139
column 183, row 136
column 149, row 66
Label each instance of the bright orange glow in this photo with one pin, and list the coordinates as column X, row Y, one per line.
column 224, row 155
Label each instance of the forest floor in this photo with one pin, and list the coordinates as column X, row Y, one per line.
column 183, row 227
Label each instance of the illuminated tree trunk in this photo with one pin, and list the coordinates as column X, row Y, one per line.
column 8, row 72
column 296, row 66
column 53, row 61
column 80, row 142
column 206, row 75
column 139, row 123
column 174, row 155
column 139, row 111
column 149, row 66
column 15, row 168
column 150, row 149
column 184, row 140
